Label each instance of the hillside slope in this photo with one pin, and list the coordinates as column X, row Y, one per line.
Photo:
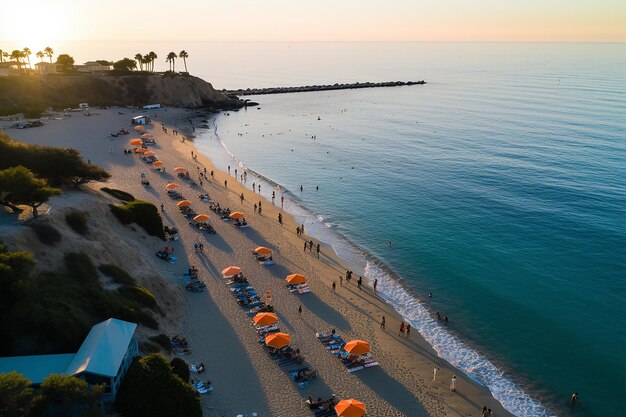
column 36, row 93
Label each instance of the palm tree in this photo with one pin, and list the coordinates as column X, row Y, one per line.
column 184, row 55
column 28, row 53
column 17, row 56
column 152, row 57
column 49, row 52
column 171, row 57
column 5, row 55
column 40, row 55
column 139, row 59
column 2, row 55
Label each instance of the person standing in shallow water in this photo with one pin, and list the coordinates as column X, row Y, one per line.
column 375, row 284
column 318, row 250
column 453, row 383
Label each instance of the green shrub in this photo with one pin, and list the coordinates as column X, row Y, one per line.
column 46, row 233
column 80, row 268
column 77, row 220
column 141, row 295
column 150, row 388
column 143, row 213
column 117, row 274
column 180, row 368
column 119, row 194
column 163, row 340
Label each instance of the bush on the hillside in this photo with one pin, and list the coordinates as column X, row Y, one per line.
column 15, row 395
column 150, row 388
column 118, row 275
column 66, row 394
column 80, row 268
column 144, row 214
column 46, row 233
column 139, row 294
column 147, row 346
column 119, row 194
column 58, row 165
column 77, row 220
column 162, row 340
column 180, row 368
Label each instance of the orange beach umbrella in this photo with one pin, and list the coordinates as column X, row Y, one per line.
column 149, row 153
column 140, row 128
column 350, row 408
column 183, row 203
column 171, row 186
column 262, row 250
column 231, row 270
column 357, row 347
column 277, row 340
column 136, row 142
column 147, row 135
column 201, row 218
column 157, row 163
column 296, row 279
column 265, row 319
column 237, row 215
column 180, row 169
column 141, row 150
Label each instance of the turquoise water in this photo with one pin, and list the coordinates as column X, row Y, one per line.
column 500, row 184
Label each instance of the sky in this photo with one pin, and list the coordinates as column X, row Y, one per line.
column 46, row 21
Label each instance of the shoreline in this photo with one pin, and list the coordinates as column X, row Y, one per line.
column 508, row 385
column 335, row 261
column 220, row 333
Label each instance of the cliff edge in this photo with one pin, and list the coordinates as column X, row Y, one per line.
column 32, row 94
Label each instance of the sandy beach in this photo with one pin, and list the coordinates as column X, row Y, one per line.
column 221, row 336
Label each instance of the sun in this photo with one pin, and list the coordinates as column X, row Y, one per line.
column 41, row 23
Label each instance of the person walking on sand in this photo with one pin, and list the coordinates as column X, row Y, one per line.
column 453, row 383
column 282, row 201
column 253, row 187
column 297, row 230
column 280, row 218
column 311, row 245
column 359, row 282
column 300, row 310
column 401, row 333
column 408, row 330
column 226, row 183
column 241, row 197
column 382, row 323
column 375, row 284
column 255, row 207
column 228, row 169
column 435, row 369
column 341, row 280
column 305, row 245
column 318, row 250
column 334, row 286
column 162, row 209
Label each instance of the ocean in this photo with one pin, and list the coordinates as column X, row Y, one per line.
column 500, row 184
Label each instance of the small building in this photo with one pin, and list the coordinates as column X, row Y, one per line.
column 44, row 68
column 103, row 358
column 140, row 120
column 93, row 67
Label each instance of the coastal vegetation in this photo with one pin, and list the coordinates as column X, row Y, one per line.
column 58, row 165
column 142, row 213
column 152, row 388
column 19, row 186
column 35, row 305
column 46, row 233
column 64, row 393
column 77, row 220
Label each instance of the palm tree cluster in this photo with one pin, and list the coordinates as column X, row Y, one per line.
column 146, row 62
column 22, row 57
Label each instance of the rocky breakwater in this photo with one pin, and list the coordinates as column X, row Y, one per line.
column 308, row 88
column 32, row 93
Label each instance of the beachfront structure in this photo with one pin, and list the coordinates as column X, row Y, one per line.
column 93, row 67
column 140, row 120
column 103, row 358
column 44, row 68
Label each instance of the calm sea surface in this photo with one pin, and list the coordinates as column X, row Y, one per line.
column 501, row 184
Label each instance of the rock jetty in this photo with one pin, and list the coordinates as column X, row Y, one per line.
column 307, row 88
